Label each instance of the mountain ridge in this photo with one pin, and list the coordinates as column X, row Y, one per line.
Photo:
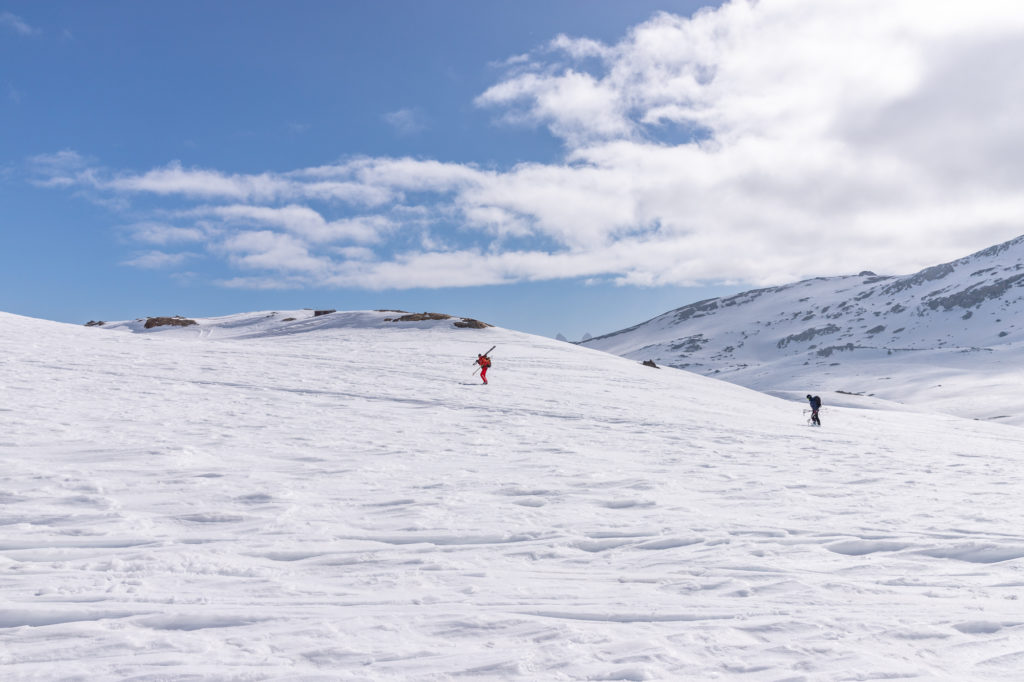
column 843, row 333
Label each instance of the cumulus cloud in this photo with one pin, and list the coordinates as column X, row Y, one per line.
column 816, row 131
column 756, row 142
column 575, row 106
column 267, row 250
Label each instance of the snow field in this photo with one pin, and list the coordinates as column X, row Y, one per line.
column 349, row 503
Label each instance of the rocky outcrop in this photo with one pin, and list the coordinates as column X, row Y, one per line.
column 461, row 322
column 470, row 323
column 176, row 321
column 419, row 317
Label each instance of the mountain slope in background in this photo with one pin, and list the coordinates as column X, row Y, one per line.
column 949, row 338
column 231, row 501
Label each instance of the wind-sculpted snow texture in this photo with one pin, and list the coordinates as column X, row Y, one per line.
column 336, row 498
column 949, row 338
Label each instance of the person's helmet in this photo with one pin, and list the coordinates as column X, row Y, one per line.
column 808, row 396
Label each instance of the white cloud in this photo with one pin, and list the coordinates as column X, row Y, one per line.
column 580, row 48
column 157, row 259
column 264, row 283
column 354, row 253
column 162, row 234
column 576, row 106
column 303, row 221
column 406, row 121
column 65, row 168
column 173, row 179
column 818, row 120
column 266, row 250
column 756, row 142
column 16, row 23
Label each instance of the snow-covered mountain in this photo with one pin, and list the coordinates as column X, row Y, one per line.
column 236, row 500
column 949, row 338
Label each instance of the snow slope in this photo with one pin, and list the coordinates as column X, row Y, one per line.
column 230, row 501
column 949, row 338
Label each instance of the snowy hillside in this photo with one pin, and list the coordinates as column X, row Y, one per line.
column 231, row 501
column 278, row 323
column 949, row 338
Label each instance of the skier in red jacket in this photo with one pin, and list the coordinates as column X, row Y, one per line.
column 484, row 363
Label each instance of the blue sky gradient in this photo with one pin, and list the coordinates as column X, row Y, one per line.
column 572, row 166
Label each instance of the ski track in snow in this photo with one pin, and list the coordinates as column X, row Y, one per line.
column 340, row 505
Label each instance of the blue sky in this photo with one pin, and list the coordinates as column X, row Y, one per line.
column 570, row 166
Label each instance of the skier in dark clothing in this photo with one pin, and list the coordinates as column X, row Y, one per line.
column 815, row 402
